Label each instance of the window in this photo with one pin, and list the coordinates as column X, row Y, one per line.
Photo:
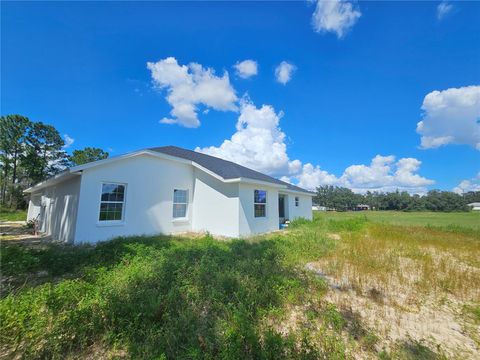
column 180, row 201
column 260, row 203
column 111, row 202
column 297, row 200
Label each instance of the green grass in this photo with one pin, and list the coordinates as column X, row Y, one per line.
column 156, row 297
column 13, row 215
column 452, row 221
column 179, row 298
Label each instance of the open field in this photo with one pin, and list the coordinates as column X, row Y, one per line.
column 338, row 287
column 452, row 220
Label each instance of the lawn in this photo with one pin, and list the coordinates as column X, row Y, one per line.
column 13, row 215
column 452, row 220
column 331, row 288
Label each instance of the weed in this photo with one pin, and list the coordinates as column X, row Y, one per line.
column 333, row 317
column 155, row 297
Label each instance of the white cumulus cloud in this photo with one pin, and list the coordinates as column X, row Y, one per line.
column 468, row 185
column 384, row 174
column 258, row 142
column 189, row 86
column 284, row 72
column 337, row 16
column 246, row 68
column 451, row 116
column 443, row 9
column 310, row 177
column 68, row 141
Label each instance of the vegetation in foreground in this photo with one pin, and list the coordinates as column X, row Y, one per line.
column 172, row 297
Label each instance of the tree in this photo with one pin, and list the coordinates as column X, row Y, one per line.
column 339, row 198
column 13, row 130
column 87, row 155
column 437, row 200
column 31, row 152
column 471, row 196
column 45, row 155
column 343, row 199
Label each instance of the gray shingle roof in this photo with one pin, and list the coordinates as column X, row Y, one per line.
column 225, row 169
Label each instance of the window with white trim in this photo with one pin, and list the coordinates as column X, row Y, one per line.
column 260, row 203
column 112, row 202
column 297, row 200
column 180, row 202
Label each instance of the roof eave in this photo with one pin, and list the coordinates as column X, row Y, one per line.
column 300, row 192
column 254, row 181
column 56, row 179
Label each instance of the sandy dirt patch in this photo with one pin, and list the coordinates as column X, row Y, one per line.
column 436, row 322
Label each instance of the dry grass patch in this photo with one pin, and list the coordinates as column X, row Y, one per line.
column 410, row 284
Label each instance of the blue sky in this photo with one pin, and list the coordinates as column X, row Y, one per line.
column 362, row 72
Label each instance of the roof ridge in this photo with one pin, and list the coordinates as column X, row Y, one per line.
column 201, row 153
column 205, row 160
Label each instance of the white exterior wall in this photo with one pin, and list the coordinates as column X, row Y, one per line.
column 34, row 206
column 304, row 208
column 56, row 208
column 215, row 205
column 249, row 224
column 150, row 182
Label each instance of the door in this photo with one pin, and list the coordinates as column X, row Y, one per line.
column 281, row 207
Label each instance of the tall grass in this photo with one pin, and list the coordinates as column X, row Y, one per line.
column 160, row 296
column 401, row 259
column 180, row 298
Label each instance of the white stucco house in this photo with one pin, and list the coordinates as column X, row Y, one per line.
column 164, row 190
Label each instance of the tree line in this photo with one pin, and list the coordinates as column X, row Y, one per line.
column 343, row 199
column 31, row 152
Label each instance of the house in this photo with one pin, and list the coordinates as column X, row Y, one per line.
column 163, row 190
column 319, row 208
column 362, row 207
column 475, row 206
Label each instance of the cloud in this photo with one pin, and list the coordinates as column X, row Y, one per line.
column 246, row 68
column 468, row 185
column 451, row 116
column 337, row 16
column 443, row 9
column 189, row 86
column 284, row 72
column 384, row 174
column 259, row 143
column 310, row 177
column 68, row 141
